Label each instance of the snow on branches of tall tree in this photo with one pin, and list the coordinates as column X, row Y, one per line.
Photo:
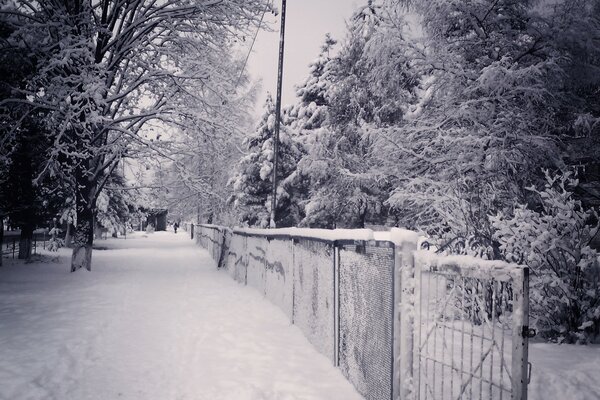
column 104, row 70
column 252, row 182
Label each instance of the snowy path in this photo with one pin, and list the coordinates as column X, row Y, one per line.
column 154, row 320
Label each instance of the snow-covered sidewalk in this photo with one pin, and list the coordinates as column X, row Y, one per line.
column 154, row 320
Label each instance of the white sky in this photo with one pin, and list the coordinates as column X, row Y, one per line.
column 307, row 22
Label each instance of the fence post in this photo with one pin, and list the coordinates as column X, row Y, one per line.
column 520, row 335
column 336, row 303
column 405, row 244
column 246, row 263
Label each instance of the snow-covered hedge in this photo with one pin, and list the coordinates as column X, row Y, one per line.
column 565, row 270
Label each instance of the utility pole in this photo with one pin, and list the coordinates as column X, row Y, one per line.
column 278, row 115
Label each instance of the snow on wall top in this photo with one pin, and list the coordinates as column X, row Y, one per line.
column 399, row 235
column 396, row 235
column 324, row 234
column 468, row 266
column 214, row 226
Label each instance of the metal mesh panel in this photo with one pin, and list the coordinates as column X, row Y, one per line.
column 279, row 278
column 464, row 328
column 314, row 293
column 256, row 251
column 366, row 290
column 215, row 245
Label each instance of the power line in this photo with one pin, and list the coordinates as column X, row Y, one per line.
column 251, row 46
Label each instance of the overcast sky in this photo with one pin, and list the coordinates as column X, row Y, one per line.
column 307, row 22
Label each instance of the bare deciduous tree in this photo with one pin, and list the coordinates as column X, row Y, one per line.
column 107, row 68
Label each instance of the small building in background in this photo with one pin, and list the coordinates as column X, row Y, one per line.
column 157, row 218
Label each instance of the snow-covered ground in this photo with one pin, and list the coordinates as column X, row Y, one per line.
column 154, row 320
column 566, row 372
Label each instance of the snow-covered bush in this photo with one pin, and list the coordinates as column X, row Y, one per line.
column 554, row 241
column 55, row 241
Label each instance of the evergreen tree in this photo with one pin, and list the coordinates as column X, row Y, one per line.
column 252, row 183
column 30, row 196
column 311, row 111
column 116, row 204
column 343, row 190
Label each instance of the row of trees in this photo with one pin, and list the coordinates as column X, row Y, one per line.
column 91, row 80
column 465, row 120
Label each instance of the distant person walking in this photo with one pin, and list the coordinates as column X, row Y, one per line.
column 175, row 226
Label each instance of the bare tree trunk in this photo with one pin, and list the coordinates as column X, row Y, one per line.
column 83, row 240
column 1, row 237
column 25, row 242
column 84, row 232
column 69, row 235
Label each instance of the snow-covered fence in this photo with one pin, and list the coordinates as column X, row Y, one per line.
column 470, row 328
column 11, row 243
column 399, row 323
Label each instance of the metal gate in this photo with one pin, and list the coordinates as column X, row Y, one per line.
column 400, row 324
column 470, row 329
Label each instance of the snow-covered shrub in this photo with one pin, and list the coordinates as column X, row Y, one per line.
column 55, row 241
column 554, row 241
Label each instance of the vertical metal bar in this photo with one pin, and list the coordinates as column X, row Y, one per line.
column 293, row 252
column 396, row 323
column 417, row 356
column 443, row 344
column 520, row 342
column 336, row 305
column 503, row 289
column 471, row 372
column 427, row 322
column 481, row 316
column 452, row 348
column 245, row 253
column 462, row 330
column 494, row 294
column 406, row 311
column 267, row 243
column 435, row 332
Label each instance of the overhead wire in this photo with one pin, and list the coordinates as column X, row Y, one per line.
column 252, row 45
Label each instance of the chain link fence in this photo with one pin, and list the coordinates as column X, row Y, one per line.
column 398, row 323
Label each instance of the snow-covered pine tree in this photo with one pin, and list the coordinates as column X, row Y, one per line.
column 116, row 204
column 308, row 124
column 310, row 113
column 344, row 192
column 252, row 182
